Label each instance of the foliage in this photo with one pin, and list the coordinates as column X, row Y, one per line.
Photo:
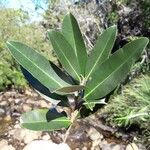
column 132, row 105
column 42, row 120
column 86, row 79
column 14, row 25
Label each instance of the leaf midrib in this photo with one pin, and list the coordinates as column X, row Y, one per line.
column 35, row 65
column 107, row 78
column 74, row 41
column 97, row 60
column 67, row 59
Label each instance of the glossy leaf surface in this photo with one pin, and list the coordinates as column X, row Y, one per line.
column 65, row 54
column 43, row 120
column 72, row 33
column 36, row 64
column 62, row 74
column 40, row 87
column 113, row 70
column 101, row 50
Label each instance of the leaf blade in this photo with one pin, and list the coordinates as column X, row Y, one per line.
column 36, row 64
column 37, row 120
column 101, row 83
column 65, row 54
column 72, row 33
column 101, row 50
column 39, row 86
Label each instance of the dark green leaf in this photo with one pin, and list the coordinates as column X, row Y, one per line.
column 101, row 50
column 62, row 74
column 113, row 70
column 72, row 33
column 42, row 120
column 53, row 114
column 65, row 54
column 40, row 87
column 36, row 64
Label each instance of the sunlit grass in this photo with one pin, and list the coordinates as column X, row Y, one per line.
column 132, row 106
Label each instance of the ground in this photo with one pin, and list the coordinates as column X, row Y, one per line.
column 86, row 134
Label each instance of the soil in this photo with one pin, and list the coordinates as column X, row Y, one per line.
column 86, row 134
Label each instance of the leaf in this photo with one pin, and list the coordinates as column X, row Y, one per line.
column 53, row 114
column 36, row 64
column 71, row 89
column 44, row 90
column 63, row 102
column 62, row 74
column 65, row 54
column 43, row 120
column 113, row 70
column 91, row 104
column 39, row 86
column 101, row 50
column 72, row 33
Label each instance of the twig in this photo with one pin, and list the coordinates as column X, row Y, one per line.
column 73, row 118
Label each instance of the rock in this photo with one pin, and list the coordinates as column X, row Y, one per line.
column 26, row 108
column 16, row 114
column 4, row 103
column 7, row 118
column 111, row 146
column 96, row 148
column 31, row 135
column 132, row 146
column 30, row 101
column 17, row 100
column 106, row 147
column 43, row 104
column 17, row 125
column 46, row 137
column 96, row 143
column 8, row 147
column 46, row 145
column 1, row 96
column 28, row 92
column 129, row 147
column 25, row 135
column 10, row 99
column 94, row 134
column 116, row 147
column 84, row 148
column 2, row 112
column 4, row 145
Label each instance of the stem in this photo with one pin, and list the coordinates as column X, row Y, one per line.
column 73, row 118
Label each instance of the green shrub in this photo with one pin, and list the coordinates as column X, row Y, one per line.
column 10, row 77
column 86, row 79
column 132, row 105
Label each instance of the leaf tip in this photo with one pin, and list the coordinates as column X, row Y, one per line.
column 8, row 43
column 69, row 14
column 145, row 40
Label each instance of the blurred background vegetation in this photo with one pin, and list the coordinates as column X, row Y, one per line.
column 132, row 19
